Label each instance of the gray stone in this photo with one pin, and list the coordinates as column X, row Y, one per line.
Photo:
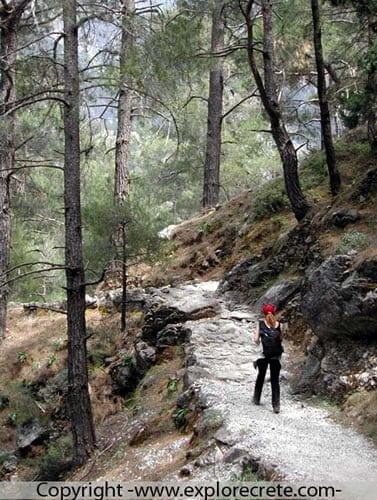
column 124, row 377
column 236, row 454
column 279, row 294
column 344, row 216
column 145, row 356
column 172, row 335
column 338, row 300
column 211, row 421
column 30, row 433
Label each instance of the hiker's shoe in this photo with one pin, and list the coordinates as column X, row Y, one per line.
column 276, row 409
column 256, row 401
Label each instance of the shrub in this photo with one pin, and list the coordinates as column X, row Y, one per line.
column 270, row 199
column 353, row 240
column 57, row 460
column 22, row 406
column 179, row 418
column 313, row 171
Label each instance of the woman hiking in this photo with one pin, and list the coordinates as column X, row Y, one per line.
column 269, row 331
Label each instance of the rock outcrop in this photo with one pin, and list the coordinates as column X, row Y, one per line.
column 341, row 300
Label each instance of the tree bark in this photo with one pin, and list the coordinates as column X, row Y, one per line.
column 268, row 95
column 79, row 400
column 124, row 279
column 9, row 19
column 211, row 185
column 372, row 85
column 122, row 146
column 334, row 174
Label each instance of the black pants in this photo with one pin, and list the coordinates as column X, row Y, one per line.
column 275, row 366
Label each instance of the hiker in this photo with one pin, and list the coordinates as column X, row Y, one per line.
column 269, row 331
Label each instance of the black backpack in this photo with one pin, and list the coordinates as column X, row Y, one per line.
column 271, row 340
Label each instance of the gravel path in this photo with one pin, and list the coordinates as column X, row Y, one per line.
column 302, row 443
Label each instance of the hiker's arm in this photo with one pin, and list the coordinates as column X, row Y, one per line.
column 257, row 335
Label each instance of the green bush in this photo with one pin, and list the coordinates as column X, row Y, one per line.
column 57, row 460
column 353, row 240
column 22, row 406
column 313, row 171
column 270, row 199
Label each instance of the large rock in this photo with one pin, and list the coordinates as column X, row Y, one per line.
column 31, row 432
column 172, row 335
column 124, row 377
column 339, row 300
column 279, row 294
column 136, row 299
column 367, row 187
column 156, row 320
column 178, row 305
column 298, row 247
column 145, row 356
column 344, row 216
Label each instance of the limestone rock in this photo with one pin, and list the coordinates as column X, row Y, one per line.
column 338, row 300
column 279, row 294
column 29, row 433
column 172, row 335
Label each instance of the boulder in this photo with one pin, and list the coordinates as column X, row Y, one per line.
column 125, row 377
column 367, row 187
column 156, row 320
column 344, row 216
column 172, row 335
column 236, row 279
column 31, row 432
column 279, row 294
column 137, row 299
column 339, row 300
column 145, row 356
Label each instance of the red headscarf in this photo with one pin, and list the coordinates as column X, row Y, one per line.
column 268, row 308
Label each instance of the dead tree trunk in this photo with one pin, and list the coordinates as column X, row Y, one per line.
column 79, row 400
column 211, row 185
column 122, row 146
column 10, row 15
column 334, row 175
column 268, row 95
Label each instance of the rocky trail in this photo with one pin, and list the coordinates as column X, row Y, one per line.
column 301, row 443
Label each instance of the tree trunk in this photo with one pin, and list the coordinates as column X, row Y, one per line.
column 334, row 175
column 372, row 85
column 79, row 400
column 124, row 279
column 9, row 22
column 8, row 44
column 211, row 185
column 268, row 94
column 122, row 146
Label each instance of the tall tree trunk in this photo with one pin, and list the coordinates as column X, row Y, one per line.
column 7, row 95
column 334, row 175
column 79, row 400
column 268, row 94
column 122, row 146
column 372, row 85
column 10, row 16
column 211, row 185
column 124, row 279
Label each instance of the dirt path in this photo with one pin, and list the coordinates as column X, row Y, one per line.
column 300, row 443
